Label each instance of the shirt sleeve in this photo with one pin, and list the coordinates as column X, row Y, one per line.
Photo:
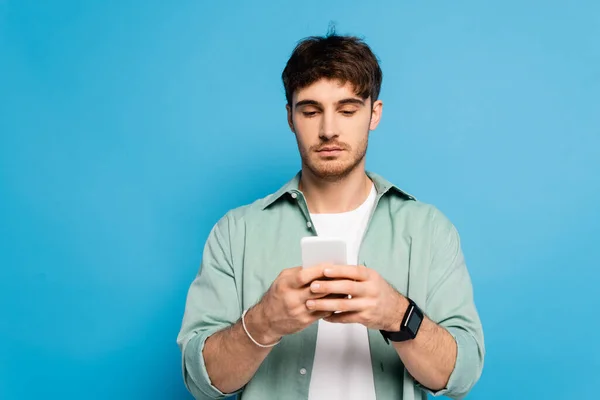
column 212, row 305
column 450, row 304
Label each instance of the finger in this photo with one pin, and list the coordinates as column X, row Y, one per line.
column 342, row 286
column 308, row 294
column 307, row 275
column 344, row 318
column 343, row 305
column 352, row 272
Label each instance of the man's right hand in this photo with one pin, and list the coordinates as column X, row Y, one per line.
column 282, row 310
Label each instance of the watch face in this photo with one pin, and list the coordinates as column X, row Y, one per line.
column 414, row 322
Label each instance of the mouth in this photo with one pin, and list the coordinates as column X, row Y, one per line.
column 329, row 151
column 329, row 148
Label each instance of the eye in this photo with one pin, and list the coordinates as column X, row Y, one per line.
column 348, row 113
column 309, row 114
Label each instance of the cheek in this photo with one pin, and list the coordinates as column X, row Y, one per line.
column 365, row 122
column 357, row 130
column 307, row 131
column 303, row 144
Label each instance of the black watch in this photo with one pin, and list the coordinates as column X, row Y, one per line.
column 409, row 327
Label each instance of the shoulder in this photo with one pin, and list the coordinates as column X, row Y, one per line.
column 418, row 215
column 239, row 216
column 409, row 208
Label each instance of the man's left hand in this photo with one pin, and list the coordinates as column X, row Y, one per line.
column 374, row 303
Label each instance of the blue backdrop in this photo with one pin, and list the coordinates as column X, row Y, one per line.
column 128, row 128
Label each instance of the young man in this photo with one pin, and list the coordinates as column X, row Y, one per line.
column 258, row 324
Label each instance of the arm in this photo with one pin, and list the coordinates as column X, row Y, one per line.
column 447, row 354
column 211, row 314
column 431, row 356
column 232, row 358
column 218, row 358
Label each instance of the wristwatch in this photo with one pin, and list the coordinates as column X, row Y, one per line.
column 409, row 327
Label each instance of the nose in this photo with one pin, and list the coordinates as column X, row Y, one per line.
column 328, row 127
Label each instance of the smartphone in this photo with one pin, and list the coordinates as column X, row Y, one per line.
column 317, row 250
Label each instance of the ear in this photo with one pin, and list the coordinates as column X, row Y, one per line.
column 376, row 114
column 289, row 118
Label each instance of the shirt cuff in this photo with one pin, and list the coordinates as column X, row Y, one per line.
column 464, row 374
column 194, row 370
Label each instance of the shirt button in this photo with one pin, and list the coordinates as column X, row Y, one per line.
column 294, row 195
column 308, row 225
column 302, row 371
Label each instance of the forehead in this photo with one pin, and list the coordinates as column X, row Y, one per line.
column 326, row 91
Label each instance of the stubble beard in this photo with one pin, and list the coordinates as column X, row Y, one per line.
column 333, row 170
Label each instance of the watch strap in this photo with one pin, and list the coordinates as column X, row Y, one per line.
column 411, row 322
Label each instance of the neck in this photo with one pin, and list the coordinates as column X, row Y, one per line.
column 326, row 197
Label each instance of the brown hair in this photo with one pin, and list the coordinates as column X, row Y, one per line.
column 346, row 58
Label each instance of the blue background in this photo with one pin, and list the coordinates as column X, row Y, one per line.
column 128, row 128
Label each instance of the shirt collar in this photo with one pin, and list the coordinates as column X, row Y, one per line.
column 382, row 186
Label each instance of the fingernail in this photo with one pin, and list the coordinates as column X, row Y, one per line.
column 310, row 303
column 315, row 286
column 327, row 271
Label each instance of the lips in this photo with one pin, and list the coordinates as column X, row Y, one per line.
column 330, row 149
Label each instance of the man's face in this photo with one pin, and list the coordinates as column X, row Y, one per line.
column 332, row 125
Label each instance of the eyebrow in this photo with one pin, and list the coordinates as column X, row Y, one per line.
column 350, row 100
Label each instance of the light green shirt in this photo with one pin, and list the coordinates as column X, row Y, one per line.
column 410, row 244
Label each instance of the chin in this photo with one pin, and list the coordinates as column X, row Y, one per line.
column 332, row 170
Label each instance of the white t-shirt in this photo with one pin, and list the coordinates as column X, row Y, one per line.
column 342, row 366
